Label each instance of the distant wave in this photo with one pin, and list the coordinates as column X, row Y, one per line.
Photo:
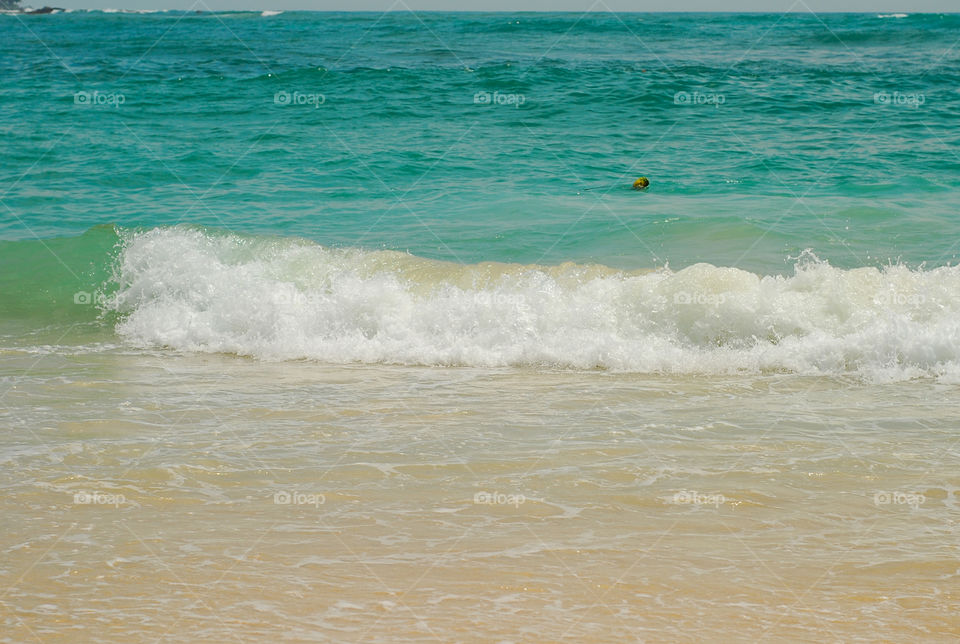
column 892, row 15
column 276, row 299
column 144, row 11
column 267, row 14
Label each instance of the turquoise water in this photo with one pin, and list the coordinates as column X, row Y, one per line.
column 185, row 161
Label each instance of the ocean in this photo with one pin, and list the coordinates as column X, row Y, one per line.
column 350, row 327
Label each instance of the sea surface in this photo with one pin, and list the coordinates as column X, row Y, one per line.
column 349, row 327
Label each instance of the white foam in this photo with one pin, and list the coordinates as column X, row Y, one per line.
column 137, row 11
column 268, row 13
column 892, row 15
column 281, row 299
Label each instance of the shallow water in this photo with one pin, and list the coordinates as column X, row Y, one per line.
column 228, row 498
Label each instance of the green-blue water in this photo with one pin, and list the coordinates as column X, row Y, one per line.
column 474, row 138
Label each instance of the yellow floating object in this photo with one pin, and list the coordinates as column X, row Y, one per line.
column 641, row 183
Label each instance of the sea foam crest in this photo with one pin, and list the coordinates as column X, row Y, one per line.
column 287, row 299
